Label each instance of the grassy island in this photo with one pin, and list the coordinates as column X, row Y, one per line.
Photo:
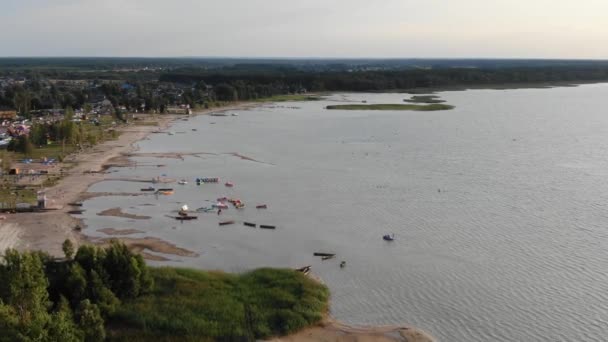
column 416, row 107
column 98, row 294
column 424, row 99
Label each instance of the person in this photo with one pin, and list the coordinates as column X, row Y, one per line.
column 219, row 211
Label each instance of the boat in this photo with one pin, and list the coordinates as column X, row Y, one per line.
column 225, row 223
column 328, row 257
column 229, row 184
column 205, row 209
column 249, row 224
column 207, row 180
column 305, row 269
column 265, row 226
column 261, row 206
column 234, row 114
column 323, row 254
column 389, row 237
column 183, row 211
column 186, row 218
column 165, row 192
column 182, row 182
column 148, row 189
column 171, row 133
column 220, row 205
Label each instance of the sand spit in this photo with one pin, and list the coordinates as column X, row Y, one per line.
column 333, row 331
column 116, row 232
column 149, row 244
column 117, row 212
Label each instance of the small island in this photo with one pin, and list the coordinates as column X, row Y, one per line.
column 391, row 106
column 424, row 99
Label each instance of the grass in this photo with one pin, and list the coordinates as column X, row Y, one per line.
column 191, row 305
column 416, row 107
column 286, row 98
column 424, row 99
column 10, row 197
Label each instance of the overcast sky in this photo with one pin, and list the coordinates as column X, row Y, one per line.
column 311, row 28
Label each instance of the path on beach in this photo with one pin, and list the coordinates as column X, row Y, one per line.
column 9, row 236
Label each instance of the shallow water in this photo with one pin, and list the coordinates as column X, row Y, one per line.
column 499, row 207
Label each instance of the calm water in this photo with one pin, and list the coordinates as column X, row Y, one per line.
column 499, row 207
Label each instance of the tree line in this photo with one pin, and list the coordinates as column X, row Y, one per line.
column 43, row 299
column 239, row 84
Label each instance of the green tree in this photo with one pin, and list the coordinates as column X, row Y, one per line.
column 62, row 326
column 91, row 322
column 24, row 287
column 9, row 324
column 101, row 295
column 76, row 283
column 68, row 248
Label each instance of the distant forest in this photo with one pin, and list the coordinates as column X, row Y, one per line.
column 159, row 82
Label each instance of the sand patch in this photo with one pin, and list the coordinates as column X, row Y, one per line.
column 9, row 236
column 151, row 244
column 117, row 212
column 332, row 331
column 114, row 232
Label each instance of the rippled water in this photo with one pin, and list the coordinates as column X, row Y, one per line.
column 499, row 207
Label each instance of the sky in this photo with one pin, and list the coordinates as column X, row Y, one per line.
column 311, row 28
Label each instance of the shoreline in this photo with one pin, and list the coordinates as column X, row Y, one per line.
column 47, row 231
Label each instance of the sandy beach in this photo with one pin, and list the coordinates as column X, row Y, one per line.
column 47, row 230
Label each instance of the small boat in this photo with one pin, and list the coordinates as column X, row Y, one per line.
column 328, row 257
column 249, row 224
column 342, row 264
column 165, row 189
column 76, row 212
column 234, row 114
column 75, row 204
column 171, row 133
column 207, row 180
column 305, row 269
column 225, row 223
column 229, row 184
column 194, row 129
column 182, row 182
column 261, row 206
column 148, row 189
column 220, row 205
column 323, row 254
column 265, row 226
column 165, row 192
column 186, row 218
column 389, row 237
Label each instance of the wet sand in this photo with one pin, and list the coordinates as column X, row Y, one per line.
column 117, row 212
column 146, row 245
column 332, row 331
column 117, row 232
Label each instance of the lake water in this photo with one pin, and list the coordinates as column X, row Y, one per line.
column 499, row 207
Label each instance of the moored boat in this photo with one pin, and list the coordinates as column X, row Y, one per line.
column 225, row 223
column 261, row 206
column 265, row 226
column 389, row 237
